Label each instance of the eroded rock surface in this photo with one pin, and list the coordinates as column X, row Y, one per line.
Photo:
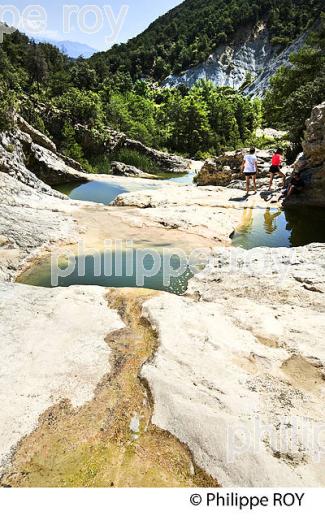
column 52, row 348
column 311, row 163
column 251, row 52
column 30, row 219
column 241, row 382
column 238, row 375
column 212, row 212
column 31, row 157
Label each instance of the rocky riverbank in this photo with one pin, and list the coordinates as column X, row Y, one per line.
column 225, row 169
column 235, row 397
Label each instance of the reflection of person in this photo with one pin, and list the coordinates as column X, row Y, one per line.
column 296, row 185
column 247, row 221
column 275, row 169
column 270, row 221
column 250, row 169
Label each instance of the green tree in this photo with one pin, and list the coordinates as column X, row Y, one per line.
column 8, row 105
column 296, row 89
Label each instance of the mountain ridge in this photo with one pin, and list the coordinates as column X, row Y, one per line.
column 71, row 48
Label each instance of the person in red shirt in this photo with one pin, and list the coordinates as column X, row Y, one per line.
column 275, row 169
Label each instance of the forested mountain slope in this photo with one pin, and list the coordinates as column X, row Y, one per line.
column 76, row 102
column 188, row 34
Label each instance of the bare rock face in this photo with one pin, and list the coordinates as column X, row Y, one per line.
column 241, row 383
column 30, row 218
column 251, row 53
column 311, row 163
column 31, row 158
column 314, row 143
column 36, row 136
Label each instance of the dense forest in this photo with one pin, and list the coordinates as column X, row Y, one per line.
column 189, row 33
column 58, row 96
column 63, row 97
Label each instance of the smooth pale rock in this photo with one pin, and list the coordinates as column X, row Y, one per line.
column 52, row 348
column 206, row 196
column 29, row 220
column 212, row 212
column 239, row 372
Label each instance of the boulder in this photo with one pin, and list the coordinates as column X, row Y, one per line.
column 226, row 168
column 51, row 168
column 311, row 163
column 125, row 170
column 31, row 157
column 36, row 136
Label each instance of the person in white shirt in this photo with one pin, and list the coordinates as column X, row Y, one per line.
column 250, row 169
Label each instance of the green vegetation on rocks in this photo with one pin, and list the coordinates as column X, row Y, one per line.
column 75, row 103
column 296, row 89
column 186, row 35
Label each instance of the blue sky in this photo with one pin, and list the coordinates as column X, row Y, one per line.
column 119, row 21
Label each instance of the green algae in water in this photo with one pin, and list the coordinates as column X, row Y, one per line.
column 116, row 269
column 280, row 228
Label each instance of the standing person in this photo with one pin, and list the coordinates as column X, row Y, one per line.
column 275, row 169
column 250, row 169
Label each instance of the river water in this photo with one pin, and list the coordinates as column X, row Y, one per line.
column 259, row 228
column 280, row 228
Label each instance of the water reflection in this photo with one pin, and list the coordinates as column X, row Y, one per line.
column 277, row 228
column 170, row 273
column 270, row 221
